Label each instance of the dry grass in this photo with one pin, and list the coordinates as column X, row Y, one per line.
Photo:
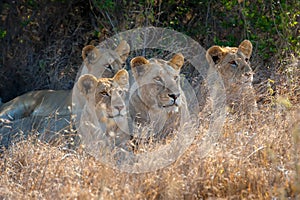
column 254, row 158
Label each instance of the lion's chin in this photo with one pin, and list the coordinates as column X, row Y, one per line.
column 175, row 109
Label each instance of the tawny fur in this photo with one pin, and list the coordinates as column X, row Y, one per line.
column 156, row 97
column 232, row 63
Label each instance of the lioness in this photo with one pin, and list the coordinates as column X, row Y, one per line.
column 104, row 62
column 105, row 107
column 99, row 62
column 157, row 97
column 232, row 63
column 49, row 110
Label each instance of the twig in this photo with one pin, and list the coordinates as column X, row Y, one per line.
column 110, row 21
column 207, row 14
column 260, row 148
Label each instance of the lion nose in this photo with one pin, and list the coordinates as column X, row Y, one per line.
column 174, row 96
column 119, row 108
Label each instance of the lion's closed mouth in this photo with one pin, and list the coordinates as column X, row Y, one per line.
column 115, row 116
column 173, row 104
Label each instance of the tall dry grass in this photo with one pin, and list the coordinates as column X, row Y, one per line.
column 254, row 158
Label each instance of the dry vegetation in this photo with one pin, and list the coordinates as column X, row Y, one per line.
column 254, row 158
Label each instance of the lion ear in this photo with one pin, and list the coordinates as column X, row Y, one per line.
column 139, row 66
column 90, row 55
column 214, row 54
column 122, row 79
column 177, row 61
column 123, row 50
column 87, row 84
column 246, row 48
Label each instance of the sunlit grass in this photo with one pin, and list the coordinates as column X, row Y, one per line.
column 254, row 158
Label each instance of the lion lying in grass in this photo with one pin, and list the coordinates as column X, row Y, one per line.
column 49, row 111
column 157, row 99
column 99, row 62
column 232, row 63
column 105, row 108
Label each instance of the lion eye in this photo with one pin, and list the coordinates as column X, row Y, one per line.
column 233, row 64
column 158, row 79
column 104, row 93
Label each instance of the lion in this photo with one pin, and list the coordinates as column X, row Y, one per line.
column 105, row 106
column 99, row 62
column 51, row 111
column 156, row 98
column 232, row 63
column 104, row 62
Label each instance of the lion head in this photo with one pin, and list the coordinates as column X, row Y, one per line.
column 156, row 92
column 105, row 102
column 104, row 62
column 232, row 63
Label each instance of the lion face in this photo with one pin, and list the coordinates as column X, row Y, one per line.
column 106, row 96
column 232, row 63
column 104, row 62
column 158, row 82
